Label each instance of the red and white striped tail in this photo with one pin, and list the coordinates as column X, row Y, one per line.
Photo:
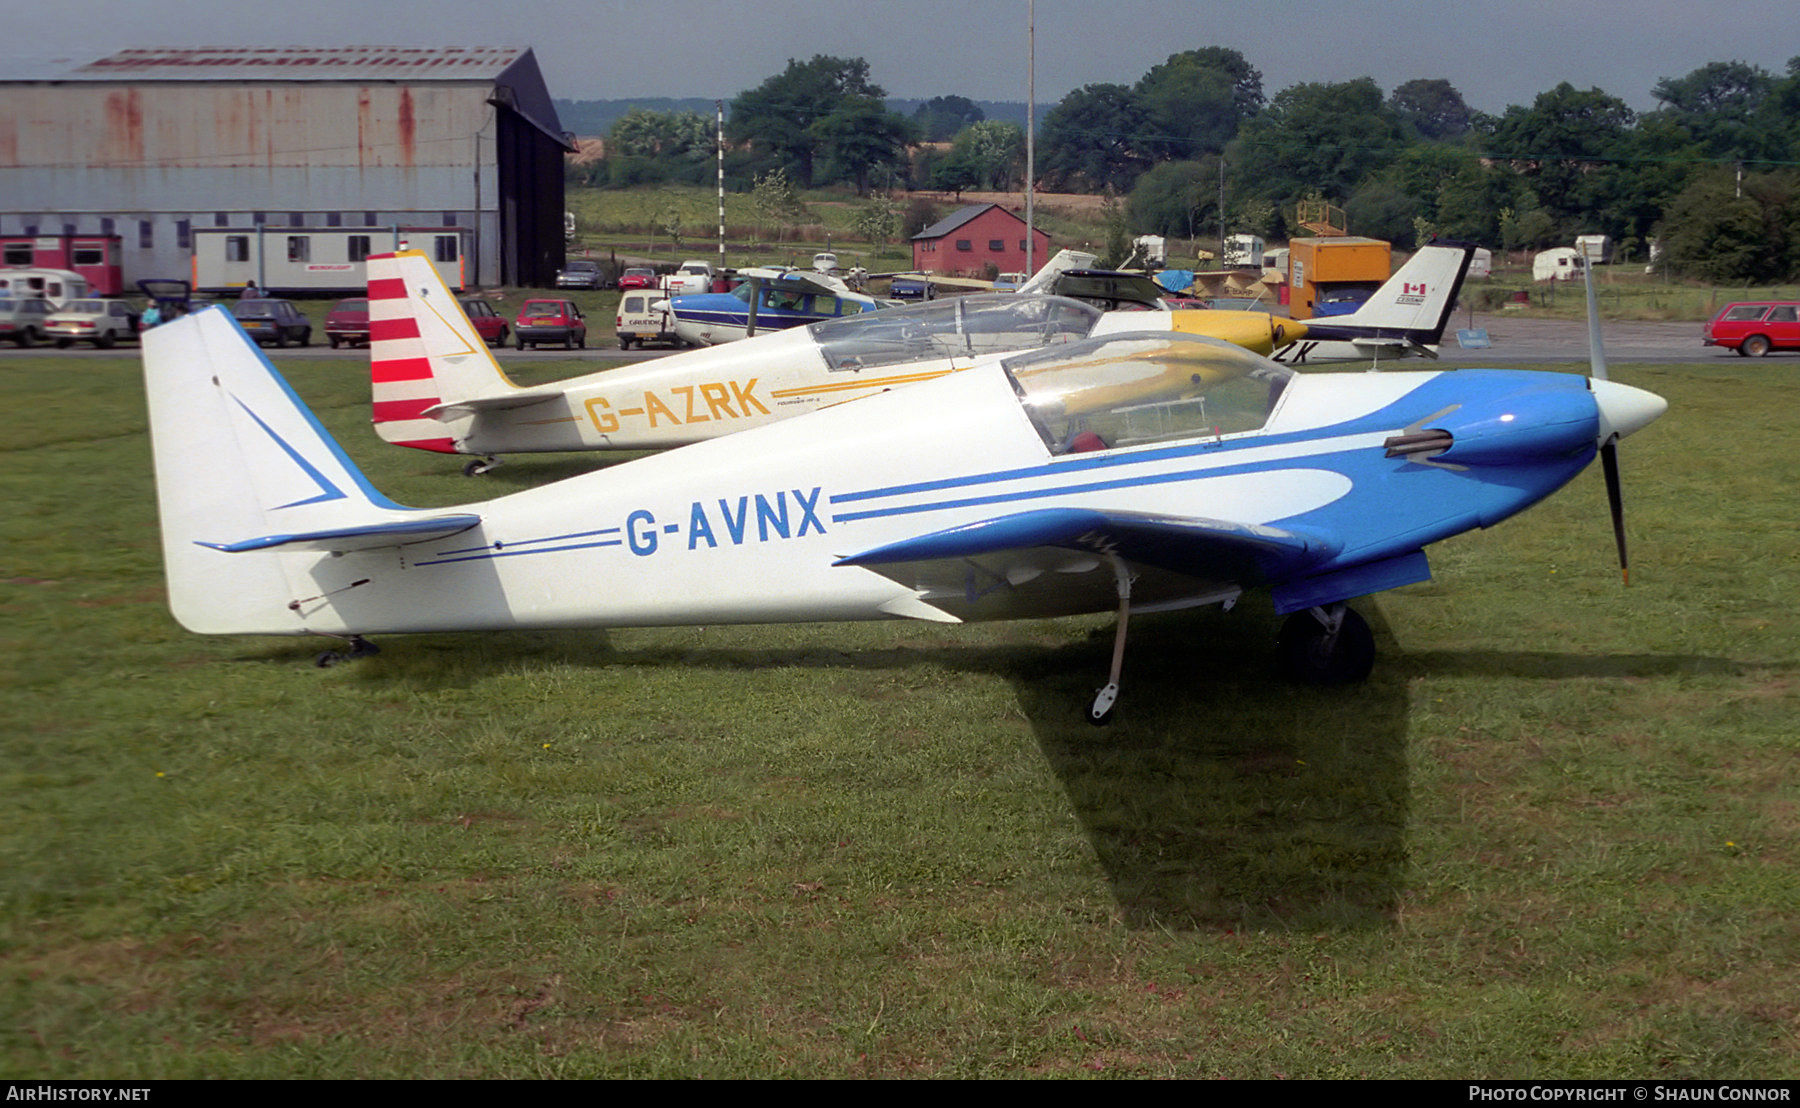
column 423, row 352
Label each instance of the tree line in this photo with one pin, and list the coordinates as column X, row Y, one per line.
column 1194, row 145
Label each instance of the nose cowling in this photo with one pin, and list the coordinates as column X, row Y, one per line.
column 1551, row 419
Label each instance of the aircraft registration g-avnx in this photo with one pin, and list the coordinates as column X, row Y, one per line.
column 1139, row 470
column 436, row 386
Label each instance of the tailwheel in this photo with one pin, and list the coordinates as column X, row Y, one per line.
column 359, row 648
column 480, row 466
column 1327, row 646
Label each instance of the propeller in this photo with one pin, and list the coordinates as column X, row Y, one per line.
column 1609, row 447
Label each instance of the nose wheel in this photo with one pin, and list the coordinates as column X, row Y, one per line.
column 1331, row 645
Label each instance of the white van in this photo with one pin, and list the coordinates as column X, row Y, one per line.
column 644, row 316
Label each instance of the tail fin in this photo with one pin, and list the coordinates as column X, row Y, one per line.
column 241, row 465
column 1415, row 303
column 423, row 352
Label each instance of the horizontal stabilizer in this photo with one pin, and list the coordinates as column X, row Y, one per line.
column 519, row 398
column 1398, row 345
column 372, row 536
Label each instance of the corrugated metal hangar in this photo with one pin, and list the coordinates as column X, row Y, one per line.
column 155, row 145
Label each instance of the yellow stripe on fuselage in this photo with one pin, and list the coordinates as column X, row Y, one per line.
column 1256, row 331
column 861, row 383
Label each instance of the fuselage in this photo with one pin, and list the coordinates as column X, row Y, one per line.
column 708, row 319
column 748, row 528
column 701, row 394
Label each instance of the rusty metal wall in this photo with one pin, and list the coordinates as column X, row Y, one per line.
column 159, row 155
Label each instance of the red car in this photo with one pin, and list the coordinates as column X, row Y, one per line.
column 348, row 322
column 638, row 277
column 550, row 321
column 1754, row 329
column 488, row 323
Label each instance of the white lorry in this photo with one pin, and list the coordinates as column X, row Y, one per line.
column 692, row 277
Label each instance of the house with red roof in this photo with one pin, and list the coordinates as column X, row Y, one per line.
column 968, row 241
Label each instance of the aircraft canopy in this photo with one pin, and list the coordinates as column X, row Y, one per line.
column 959, row 327
column 1144, row 387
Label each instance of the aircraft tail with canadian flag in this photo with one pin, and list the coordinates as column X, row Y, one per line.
column 1406, row 315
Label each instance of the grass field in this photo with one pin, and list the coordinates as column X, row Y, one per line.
column 1554, row 836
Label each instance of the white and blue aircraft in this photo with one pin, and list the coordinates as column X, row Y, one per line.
column 436, row 386
column 1143, row 470
column 773, row 300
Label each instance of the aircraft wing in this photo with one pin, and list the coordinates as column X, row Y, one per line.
column 1055, row 560
column 371, row 536
column 817, row 282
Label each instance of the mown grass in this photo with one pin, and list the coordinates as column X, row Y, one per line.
column 1554, row 836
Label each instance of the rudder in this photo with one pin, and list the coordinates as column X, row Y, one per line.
column 1419, row 297
column 423, row 353
column 237, row 455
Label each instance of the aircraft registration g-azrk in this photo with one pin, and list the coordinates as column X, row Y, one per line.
column 1146, row 470
column 436, row 386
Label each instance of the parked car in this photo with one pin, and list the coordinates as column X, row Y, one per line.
column 580, row 274
column 1755, row 328
column 488, row 323
column 638, row 277
column 549, row 321
column 276, row 321
column 1341, row 301
column 690, row 279
column 172, row 296
column 348, row 322
column 643, row 317
column 22, row 319
column 101, row 322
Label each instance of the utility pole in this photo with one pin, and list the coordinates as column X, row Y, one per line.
column 1030, row 134
column 719, row 109
column 1221, row 259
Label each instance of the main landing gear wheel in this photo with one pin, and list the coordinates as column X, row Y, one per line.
column 480, row 466
column 1327, row 646
column 359, row 648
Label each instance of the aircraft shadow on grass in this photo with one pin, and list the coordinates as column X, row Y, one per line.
column 1226, row 798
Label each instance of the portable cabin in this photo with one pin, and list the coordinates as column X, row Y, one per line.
column 1337, row 266
column 318, row 260
column 94, row 257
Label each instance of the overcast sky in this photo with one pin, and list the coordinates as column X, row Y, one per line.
column 1496, row 52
